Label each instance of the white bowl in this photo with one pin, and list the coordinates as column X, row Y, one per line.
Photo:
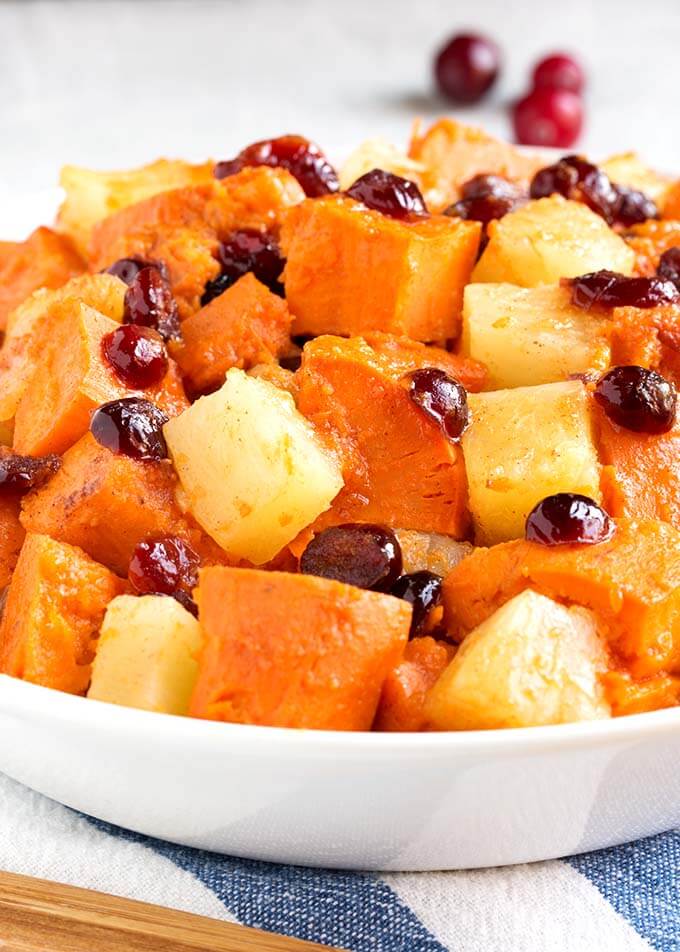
column 361, row 801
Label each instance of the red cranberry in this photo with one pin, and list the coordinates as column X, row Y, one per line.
column 131, row 427
column 149, row 303
column 467, row 67
column 609, row 289
column 633, row 207
column 127, row 269
column 388, row 193
column 566, row 518
column 442, row 398
column 21, row 474
column 483, row 208
column 638, row 399
column 137, row 355
column 247, row 250
column 483, row 186
column 548, row 116
column 359, row 554
column 559, row 70
column 163, row 566
column 422, row 590
column 302, row 158
column 580, row 181
column 669, row 266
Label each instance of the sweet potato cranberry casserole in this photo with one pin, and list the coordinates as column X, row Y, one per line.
column 395, row 448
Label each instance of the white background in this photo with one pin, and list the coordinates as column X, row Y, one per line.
column 108, row 84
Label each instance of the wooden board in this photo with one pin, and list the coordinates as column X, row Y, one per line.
column 41, row 916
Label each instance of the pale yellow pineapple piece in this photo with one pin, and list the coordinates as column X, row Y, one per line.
column 146, row 654
column 92, row 195
column 533, row 662
column 628, row 169
column 549, row 239
column 523, row 445
column 529, row 336
column 378, row 153
column 252, row 469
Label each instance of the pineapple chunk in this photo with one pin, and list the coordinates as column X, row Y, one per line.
column 252, row 469
column 549, row 239
column 629, row 170
column 529, row 336
column 378, row 153
column 91, row 195
column 532, row 662
column 146, row 654
column 523, row 445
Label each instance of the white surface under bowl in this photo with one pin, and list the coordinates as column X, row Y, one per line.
column 363, row 801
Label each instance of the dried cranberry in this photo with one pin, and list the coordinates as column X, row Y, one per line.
column 578, row 180
column 422, row 590
column 127, row 269
column 467, row 67
column 442, row 398
column 137, row 355
column 633, row 207
column 302, row 158
column 669, row 266
column 388, row 193
column 483, row 208
column 567, row 518
column 163, row 566
column 244, row 251
column 21, row 474
column 482, row 186
column 548, row 116
column 609, row 289
column 359, row 554
column 559, row 70
column 131, row 427
column 638, row 399
column 149, row 303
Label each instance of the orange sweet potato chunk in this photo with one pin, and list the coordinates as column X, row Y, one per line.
column 453, row 153
column 644, row 477
column 55, row 606
column 294, row 650
column 402, row 702
column 627, row 696
column 398, row 466
column 72, row 379
column 244, row 326
column 351, row 270
column 11, row 537
column 45, row 260
column 648, row 337
column 106, row 504
column 631, row 582
column 650, row 239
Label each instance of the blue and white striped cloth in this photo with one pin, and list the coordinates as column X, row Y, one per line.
column 625, row 899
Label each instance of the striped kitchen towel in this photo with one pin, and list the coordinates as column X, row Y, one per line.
column 625, row 899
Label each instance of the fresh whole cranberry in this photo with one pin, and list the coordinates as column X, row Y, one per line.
column 131, row 427
column 360, row 554
column 21, row 474
column 609, row 289
column 638, row 399
column 669, row 266
column 568, row 518
column 442, row 398
column 423, row 591
column 127, row 269
column 302, row 158
column 137, row 355
column 244, row 251
column 162, row 566
column 560, row 70
column 149, row 303
column 389, row 194
column 467, row 67
column 549, row 117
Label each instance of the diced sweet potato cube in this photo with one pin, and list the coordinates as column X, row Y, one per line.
column 106, row 504
column 11, row 537
column 55, row 605
column 44, row 260
column 72, row 379
column 453, row 153
column 650, row 239
column 644, row 477
column 648, row 337
column 294, row 650
column 628, row 696
column 244, row 326
column 351, row 270
column 402, row 702
column 399, row 467
column 631, row 583
column 671, row 202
